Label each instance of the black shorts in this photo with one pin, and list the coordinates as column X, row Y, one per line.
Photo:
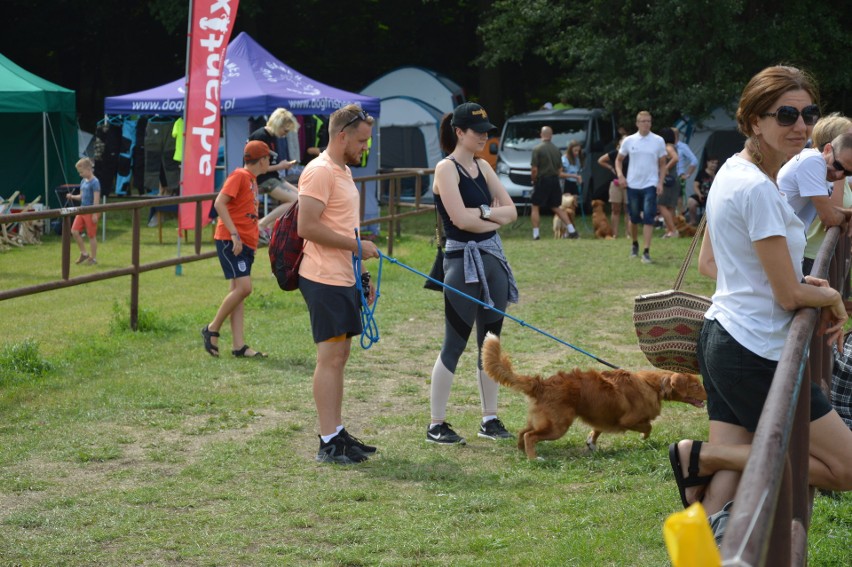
column 547, row 193
column 234, row 266
column 334, row 310
column 737, row 380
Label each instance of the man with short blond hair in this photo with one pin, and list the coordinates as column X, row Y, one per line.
column 329, row 214
column 644, row 181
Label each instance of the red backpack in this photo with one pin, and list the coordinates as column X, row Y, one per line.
column 286, row 248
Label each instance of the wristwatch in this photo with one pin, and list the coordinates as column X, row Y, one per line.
column 484, row 212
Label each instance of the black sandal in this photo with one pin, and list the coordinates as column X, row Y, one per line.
column 693, row 479
column 241, row 353
column 212, row 349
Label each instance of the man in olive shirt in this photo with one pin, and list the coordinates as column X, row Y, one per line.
column 546, row 168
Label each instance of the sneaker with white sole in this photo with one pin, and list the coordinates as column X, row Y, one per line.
column 634, row 251
column 493, row 429
column 443, row 434
column 646, row 258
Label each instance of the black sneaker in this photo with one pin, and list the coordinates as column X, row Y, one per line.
column 573, row 235
column 442, row 433
column 357, row 444
column 339, row 451
column 634, row 251
column 493, row 429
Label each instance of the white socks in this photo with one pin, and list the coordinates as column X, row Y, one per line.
column 327, row 438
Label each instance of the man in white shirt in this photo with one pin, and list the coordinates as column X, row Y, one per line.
column 806, row 180
column 644, row 180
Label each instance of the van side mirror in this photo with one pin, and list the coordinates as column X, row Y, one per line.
column 492, row 148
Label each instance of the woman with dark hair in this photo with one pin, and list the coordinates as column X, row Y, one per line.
column 667, row 202
column 753, row 248
column 472, row 204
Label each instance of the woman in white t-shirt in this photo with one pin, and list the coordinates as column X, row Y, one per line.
column 753, row 248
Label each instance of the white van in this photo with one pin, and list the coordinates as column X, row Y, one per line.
column 593, row 128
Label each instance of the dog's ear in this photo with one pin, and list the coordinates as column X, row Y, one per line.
column 680, row 384
column 666, row 386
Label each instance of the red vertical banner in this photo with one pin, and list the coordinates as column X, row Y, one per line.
column 210, row 26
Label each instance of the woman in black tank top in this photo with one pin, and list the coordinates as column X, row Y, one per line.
column 472, row 204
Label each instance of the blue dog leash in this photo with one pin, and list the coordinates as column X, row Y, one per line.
column 369, row 327
column 482, row 303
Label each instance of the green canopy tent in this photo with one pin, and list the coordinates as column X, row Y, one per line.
column 38, row 133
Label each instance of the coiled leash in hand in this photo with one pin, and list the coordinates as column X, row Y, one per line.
column 369, row 327
column 482, row 303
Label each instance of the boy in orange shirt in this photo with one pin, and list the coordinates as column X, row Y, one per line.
column 236, row 241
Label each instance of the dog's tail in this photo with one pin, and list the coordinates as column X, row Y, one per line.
column 498, row 366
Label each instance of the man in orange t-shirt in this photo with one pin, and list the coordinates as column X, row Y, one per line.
column 236, row 241
column 329, row 208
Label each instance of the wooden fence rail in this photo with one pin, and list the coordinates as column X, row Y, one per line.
column 393, row 181
column 773, row 502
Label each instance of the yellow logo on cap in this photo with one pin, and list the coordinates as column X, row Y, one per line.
column 481, row 112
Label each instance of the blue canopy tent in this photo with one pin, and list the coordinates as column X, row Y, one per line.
column 254, row 83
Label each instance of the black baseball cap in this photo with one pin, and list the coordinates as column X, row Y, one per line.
column 473, row 116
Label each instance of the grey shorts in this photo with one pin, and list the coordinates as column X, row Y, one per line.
column 334, row 310
column 737, row 380
column 671, row 193
column 268, row 185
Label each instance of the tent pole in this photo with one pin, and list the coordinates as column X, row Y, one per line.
column 44, row 153
column 179, row 267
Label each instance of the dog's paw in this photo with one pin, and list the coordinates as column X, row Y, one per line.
column 590, row 443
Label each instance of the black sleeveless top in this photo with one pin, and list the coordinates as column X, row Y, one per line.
column 474, row 192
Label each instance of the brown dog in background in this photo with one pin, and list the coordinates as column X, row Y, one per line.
column 569, row 205
column 612, row 400
column 683, row 228
column 600, row 221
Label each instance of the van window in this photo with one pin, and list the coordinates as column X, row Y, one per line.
column 525, row 135
column 605, row 134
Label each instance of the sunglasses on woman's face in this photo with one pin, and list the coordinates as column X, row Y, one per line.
column 788, row 115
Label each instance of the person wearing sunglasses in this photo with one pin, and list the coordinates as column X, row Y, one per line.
column 806, row 179
column 825, row 132
column 753, row 249
column 329, row 215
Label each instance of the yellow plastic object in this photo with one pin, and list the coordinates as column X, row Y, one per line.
column 689, row 540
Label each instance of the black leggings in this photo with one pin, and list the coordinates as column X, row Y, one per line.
column 461, row 313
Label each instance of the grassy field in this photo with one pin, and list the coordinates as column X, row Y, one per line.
column 123, row 448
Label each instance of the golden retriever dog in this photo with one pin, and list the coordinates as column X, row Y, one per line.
column 569, row 205
column 600, row 220
column 610, row 400
column 683, row 228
